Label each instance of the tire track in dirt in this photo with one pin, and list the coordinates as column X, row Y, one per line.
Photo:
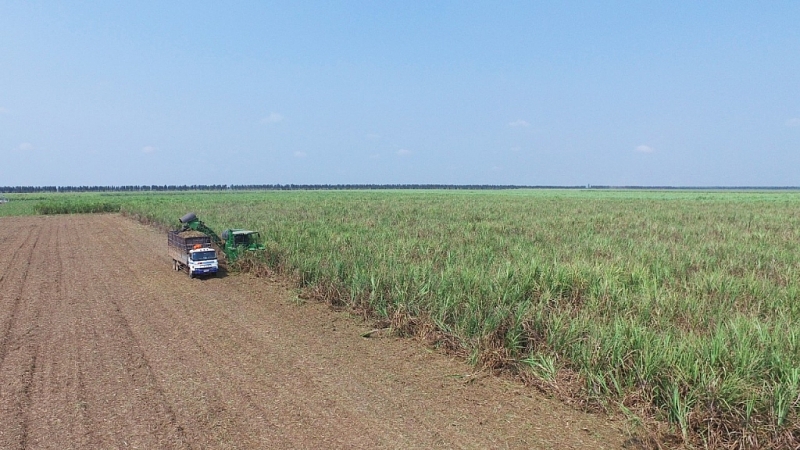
column 141, row 372
column 12, row 295
column 108, row 383
column 10, row 291
column 59, row 399
column 20, row 348
column 16, row 235
column 44, row 284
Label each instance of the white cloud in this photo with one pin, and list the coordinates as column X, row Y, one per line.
column 793, row 122
column 300, row 154
column 403, row 152
column 644, row 149
column 25, row 147
column 519, row 124
column 273, row 117
column 148, row 149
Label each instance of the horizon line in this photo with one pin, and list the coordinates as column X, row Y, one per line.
column 366, row 186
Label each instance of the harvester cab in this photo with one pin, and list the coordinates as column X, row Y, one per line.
column 237, row 240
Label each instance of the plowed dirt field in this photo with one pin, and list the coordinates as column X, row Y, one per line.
column 103, row 345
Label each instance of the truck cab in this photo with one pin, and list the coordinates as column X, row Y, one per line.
column 202, row 261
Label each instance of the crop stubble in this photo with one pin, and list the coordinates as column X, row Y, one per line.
column 102, row 346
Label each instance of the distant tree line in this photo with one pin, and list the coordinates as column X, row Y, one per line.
column 247, row 187
column 294, row 187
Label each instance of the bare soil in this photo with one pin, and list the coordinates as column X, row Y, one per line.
column 103, row 345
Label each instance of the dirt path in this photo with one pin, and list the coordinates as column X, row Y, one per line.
column 102, row 345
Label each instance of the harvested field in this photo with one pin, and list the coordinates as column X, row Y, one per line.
column 102, row 345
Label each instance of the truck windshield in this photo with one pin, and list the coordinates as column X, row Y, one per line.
column 204, row 256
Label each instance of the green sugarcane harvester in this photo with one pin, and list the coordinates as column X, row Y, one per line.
column 233, row 241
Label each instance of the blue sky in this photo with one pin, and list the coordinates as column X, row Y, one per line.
column 534, row 93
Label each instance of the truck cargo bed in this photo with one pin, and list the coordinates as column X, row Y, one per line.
column 179, row 243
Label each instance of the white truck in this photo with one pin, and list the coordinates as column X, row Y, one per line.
column 192, row 251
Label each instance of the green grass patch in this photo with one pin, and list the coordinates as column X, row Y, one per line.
column 75, row 206
column 18, row 205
